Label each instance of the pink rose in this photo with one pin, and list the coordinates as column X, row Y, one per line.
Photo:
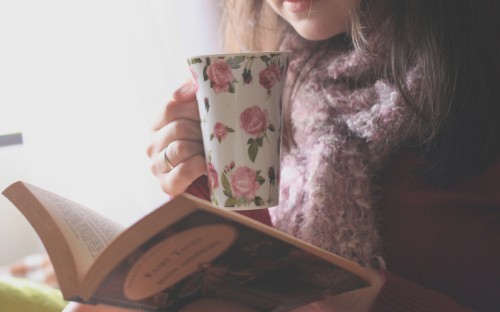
column 269, row 76
column 243, row 182
column 229, row 167
column 220, row 75
column 213, row 177
column 220, row 131
column 254, row 120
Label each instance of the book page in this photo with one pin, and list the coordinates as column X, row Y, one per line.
column 86, row 231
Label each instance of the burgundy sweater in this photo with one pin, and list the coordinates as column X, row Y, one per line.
column 445, row 240
column 442, row 246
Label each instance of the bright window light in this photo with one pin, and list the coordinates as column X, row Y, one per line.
column 82, row 80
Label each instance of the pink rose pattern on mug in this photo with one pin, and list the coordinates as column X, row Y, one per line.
column 241, row 125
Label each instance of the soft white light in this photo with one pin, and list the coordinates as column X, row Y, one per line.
column 82, row 81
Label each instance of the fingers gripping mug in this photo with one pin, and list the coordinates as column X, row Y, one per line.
column 239, row 98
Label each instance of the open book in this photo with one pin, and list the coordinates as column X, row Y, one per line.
column 184, row 250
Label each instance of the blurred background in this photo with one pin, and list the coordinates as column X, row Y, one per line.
column 80, row 83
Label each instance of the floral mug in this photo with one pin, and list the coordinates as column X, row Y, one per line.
column 239, row 99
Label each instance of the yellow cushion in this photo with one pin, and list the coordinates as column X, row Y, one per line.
column 22, row 295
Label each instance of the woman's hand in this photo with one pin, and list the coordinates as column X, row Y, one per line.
column 176, row 147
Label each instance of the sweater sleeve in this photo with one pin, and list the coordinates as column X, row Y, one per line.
column 400, row 294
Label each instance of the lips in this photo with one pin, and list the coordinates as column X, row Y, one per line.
column 297, row 6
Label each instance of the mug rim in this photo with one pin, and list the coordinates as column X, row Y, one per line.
column 255, row 53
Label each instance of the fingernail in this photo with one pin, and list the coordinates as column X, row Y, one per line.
column 186, row 88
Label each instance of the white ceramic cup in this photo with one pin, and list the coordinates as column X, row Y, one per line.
column 239, row 98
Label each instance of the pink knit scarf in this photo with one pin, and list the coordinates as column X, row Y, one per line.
column 344, row 133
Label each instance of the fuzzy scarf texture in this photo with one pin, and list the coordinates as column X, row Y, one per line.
column 345, row 132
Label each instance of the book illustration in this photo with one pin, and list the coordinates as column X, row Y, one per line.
column 176, row 257
column 256, row 269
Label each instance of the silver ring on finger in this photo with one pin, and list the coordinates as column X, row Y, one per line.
column 167, row 162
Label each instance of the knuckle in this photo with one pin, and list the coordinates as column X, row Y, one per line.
column 153, row 168
column 199, row 160
column 182, row 129
column 166, row 187
column 174, row 183
column 149, row 150
column 176, row 148
column 198, row 165
column 177, row 128
column 169, row 109
column 185, row 149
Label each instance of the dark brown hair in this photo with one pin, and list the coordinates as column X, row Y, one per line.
column 456, row 44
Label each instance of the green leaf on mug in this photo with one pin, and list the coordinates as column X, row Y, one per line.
column 234, row 62
column 258, row 201
column 230, row 202
column 252, row 151
column 265, row 58
column 207, row 104
column 226, row 185
column 196, row 60
column 260, row 141
column 205, row 75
